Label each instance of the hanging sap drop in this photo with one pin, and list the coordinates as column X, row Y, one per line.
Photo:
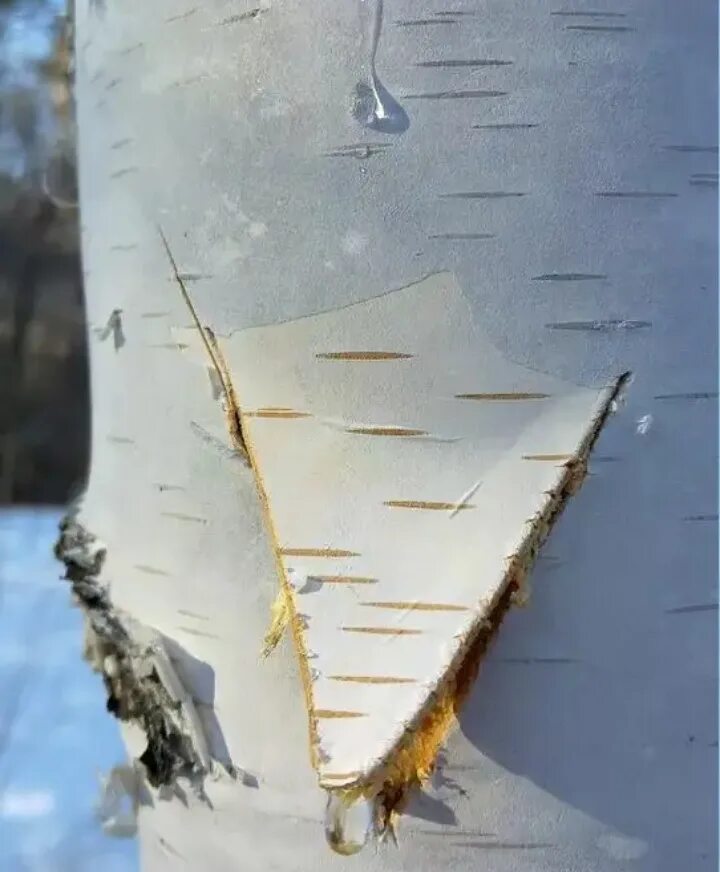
column 375, row 107
column 348, row 822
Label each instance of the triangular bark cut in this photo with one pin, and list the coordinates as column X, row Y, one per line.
column 409, row 483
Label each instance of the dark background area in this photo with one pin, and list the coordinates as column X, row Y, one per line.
column 44, row 422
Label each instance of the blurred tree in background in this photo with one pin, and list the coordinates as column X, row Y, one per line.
column 43, row 382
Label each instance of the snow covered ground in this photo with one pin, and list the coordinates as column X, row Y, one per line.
column 56, row 740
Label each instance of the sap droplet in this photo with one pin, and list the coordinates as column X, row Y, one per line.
column 348, row 822
column 296, row 579
column 376, row 109
column 374, row 106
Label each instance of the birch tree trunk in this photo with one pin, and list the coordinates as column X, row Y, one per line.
column 543, row 182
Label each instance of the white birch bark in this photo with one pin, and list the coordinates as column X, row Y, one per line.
column 559, row 167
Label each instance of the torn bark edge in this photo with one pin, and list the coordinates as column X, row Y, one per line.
column 230, row 403
column 141, row 684
column 412, row 760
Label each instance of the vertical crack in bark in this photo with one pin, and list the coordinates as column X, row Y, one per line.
column 232, row 408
